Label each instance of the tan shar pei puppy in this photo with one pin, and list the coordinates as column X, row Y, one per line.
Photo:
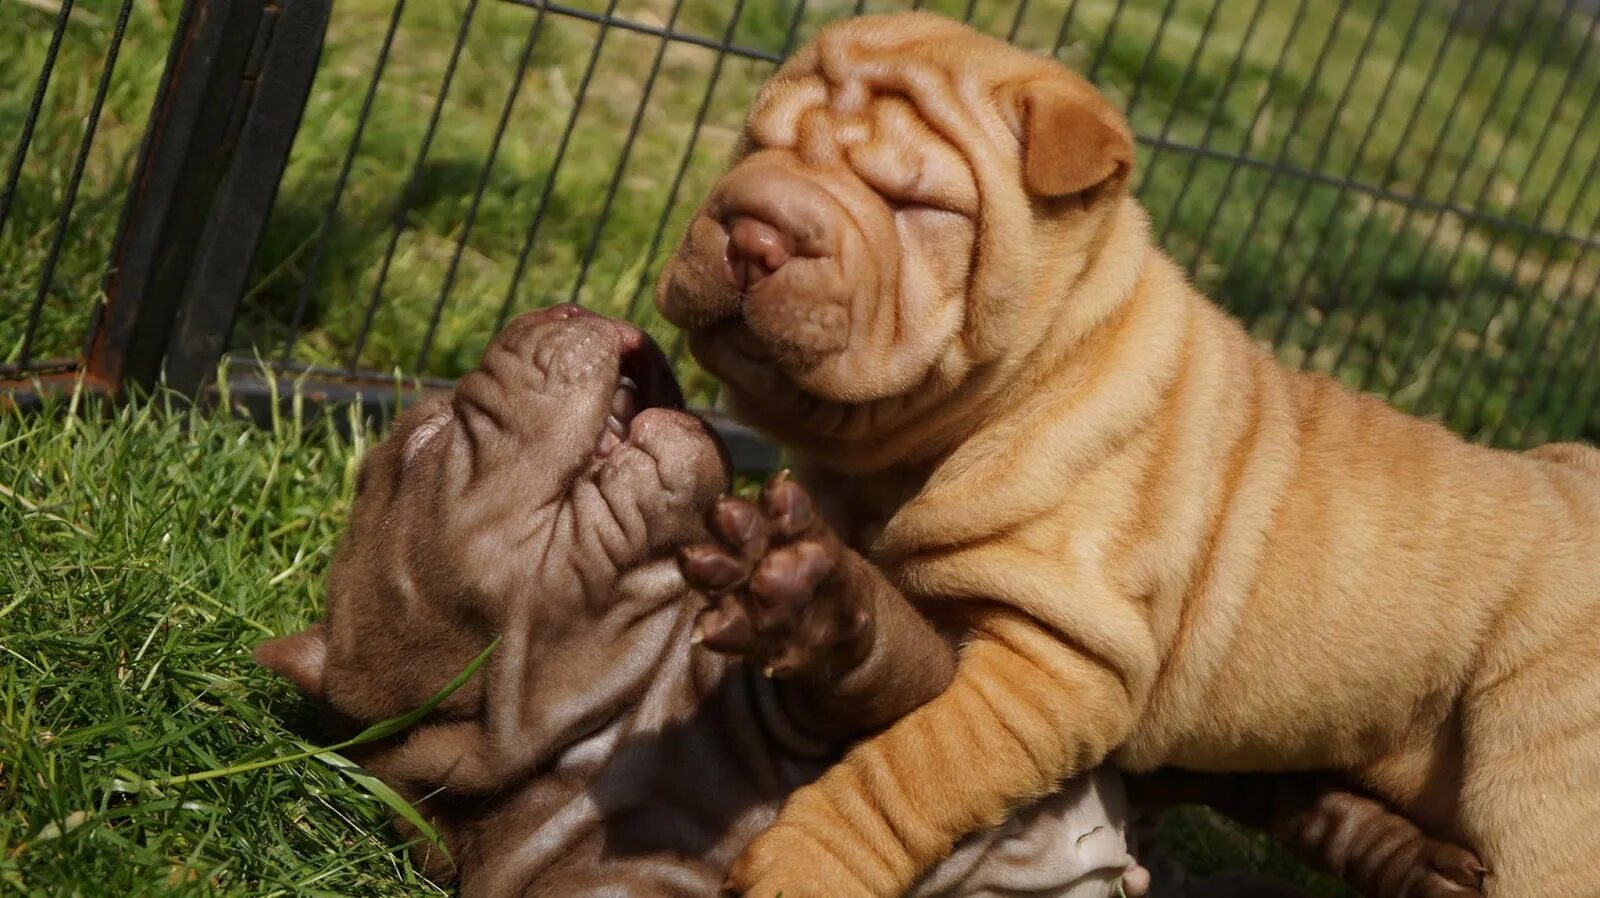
column 925, row 275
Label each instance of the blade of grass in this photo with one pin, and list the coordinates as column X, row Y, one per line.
column 380, row 790
column 380, row 730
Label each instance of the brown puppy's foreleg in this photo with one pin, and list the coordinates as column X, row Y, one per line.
column 850, row 653
column 1379, row 852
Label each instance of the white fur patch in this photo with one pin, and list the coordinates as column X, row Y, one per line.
column 424, row 433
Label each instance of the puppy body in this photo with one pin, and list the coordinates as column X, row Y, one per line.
column 1246, row 568
column 598, row 750
column 1167, row 548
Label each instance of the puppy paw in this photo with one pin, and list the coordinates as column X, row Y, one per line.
column 772, row 584
column 1449, row 872
column 1379, row 851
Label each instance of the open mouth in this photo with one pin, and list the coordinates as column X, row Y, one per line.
column 644, row 380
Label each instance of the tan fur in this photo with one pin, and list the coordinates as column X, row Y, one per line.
column 1168, row 548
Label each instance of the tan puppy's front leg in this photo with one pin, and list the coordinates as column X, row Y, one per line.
column 1025, row 712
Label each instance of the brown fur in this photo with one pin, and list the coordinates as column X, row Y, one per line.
column 1166, row 547
column 597, row 751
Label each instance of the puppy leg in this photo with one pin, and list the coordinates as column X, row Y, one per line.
column 1377, row 851
column 1531, row 793
column 850, row 652
column 1024, row 712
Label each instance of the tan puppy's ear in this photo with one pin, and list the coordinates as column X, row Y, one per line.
column 1073, row 140
column 299, row 658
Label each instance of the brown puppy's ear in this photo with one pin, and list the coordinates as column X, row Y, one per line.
column 1073, row 140
column 299, row 658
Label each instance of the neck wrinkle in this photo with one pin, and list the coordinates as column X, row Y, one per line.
column 1107, row 384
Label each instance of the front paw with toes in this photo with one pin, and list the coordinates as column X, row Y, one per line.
column 771, row 578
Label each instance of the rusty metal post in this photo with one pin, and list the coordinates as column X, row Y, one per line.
column 214, row 151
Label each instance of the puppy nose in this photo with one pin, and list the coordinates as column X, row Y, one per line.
column 756, row 250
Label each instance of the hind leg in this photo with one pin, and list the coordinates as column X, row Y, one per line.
column 1531, row 790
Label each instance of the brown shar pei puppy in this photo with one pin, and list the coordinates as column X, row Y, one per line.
column 597, row 752
column 924, row 273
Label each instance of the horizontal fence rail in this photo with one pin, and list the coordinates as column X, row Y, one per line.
column 1400, row 193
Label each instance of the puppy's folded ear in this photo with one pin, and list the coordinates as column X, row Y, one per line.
column 299, row 658
column 1073, row 141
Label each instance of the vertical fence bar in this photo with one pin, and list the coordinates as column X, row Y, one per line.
column 524, row 58
column 621, row 167
column 1149, row 57
column 330, row 212
column 1524, row 103
column 1290, row 132
column 189, row 146
column 35, row 105
column 554, row 171
column 1228, row 79
column 273, row 91
column 687, row 158
column 1016, row 21
column 1066, row 27
column 1325, row 146
column 408, row 193
column 58, row 239
column 1244, row 144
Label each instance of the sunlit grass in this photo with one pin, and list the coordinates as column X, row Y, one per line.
column 1392, row 299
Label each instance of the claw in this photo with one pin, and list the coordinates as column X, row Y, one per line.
column 726, row 628
column 742, row 525
column 790, row 506
column 711, row 568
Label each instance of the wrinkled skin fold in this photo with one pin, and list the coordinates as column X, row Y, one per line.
column 600, row 750
column 925, row 275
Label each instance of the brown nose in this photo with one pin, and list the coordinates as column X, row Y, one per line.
column 755, row 250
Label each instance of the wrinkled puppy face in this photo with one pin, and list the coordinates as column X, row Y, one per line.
column 905, row 191
column 538, row 503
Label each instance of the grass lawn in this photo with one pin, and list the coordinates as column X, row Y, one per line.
column 154, row 548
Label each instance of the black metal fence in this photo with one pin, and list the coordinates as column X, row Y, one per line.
column 1399, row 192
column 144, row 278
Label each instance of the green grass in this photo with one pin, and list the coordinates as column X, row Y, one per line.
column 150, row 551
column 1431, row 289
